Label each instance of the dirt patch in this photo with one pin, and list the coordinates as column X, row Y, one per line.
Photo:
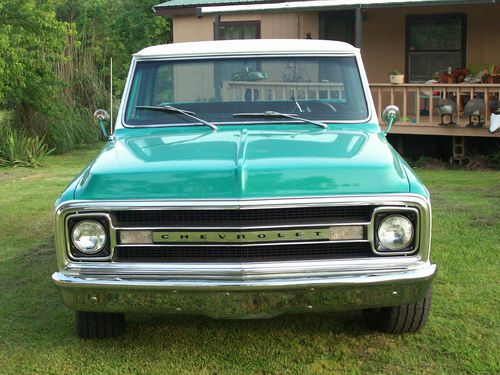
column 6, row 174
column 482, row 163
column 32, row 176
column 429, row 163
column 47, row 249
column 484, row 221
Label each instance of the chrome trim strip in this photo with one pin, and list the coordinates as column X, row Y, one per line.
column 240, row 204
column 240, row 55
column 234, row 244
column 238, row 230
column 318, row 225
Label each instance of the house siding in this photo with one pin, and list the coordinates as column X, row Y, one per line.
column 384, row 36
column 384, row 29
column 273, row 26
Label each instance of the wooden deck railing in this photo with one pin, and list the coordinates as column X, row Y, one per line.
column 413, row 98
column 250, row 91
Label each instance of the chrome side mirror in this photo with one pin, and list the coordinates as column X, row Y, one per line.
column 102, row 116
column 390, row 115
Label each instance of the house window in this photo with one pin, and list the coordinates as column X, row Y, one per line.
column 240, row 30
column 434, row 43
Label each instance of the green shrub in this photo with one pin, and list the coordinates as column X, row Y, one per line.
column 19, row 150
column 55, row 69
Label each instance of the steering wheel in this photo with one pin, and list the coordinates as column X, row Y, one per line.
column 311, row 106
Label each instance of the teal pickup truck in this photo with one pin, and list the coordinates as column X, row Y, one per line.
column 246, row 179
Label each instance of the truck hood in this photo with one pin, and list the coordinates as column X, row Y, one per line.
column 236, row 163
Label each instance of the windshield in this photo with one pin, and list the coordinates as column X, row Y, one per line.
column 327, row 89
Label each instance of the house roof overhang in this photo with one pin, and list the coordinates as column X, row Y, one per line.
column 318, row 5
column 214, row 7
column 190, row 7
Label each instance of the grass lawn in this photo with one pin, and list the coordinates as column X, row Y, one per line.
column 462, row 336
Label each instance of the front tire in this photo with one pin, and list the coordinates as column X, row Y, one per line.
column 99, row 325
column 400, row 319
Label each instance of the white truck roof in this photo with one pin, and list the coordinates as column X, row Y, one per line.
column 245, row 47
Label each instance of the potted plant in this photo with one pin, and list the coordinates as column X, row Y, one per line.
column 396, row 76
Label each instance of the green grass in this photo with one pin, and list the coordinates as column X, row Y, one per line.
column 462, row 336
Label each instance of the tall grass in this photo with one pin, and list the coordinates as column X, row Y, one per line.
column 84, row 91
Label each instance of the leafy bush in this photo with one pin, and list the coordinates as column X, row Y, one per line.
column 19, row 150
column 54, row 69
column 32, row 40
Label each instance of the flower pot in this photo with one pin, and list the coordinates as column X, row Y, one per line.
column 397, row 78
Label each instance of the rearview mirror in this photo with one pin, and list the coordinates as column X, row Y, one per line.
column 249, row 76
column 102, row 116
column 390, row 115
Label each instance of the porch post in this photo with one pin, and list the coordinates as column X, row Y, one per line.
column 217, row 27
column 322, row 25
column 358, row 33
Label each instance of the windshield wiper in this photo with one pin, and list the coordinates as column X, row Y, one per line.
column 279, row 114
column 169, row 108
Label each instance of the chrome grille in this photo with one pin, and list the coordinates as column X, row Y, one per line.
column 239, row 253
column 243, row 217
column 227, row 220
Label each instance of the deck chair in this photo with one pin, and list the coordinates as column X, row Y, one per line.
column 426, row 95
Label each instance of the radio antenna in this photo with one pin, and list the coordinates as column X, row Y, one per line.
column 111, row 95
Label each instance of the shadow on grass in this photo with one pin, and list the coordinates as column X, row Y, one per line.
column 33, row 311
column 345, row 322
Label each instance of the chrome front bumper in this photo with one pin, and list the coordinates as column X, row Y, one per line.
column 243, row 298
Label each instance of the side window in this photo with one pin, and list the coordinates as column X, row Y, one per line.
column 240, row 30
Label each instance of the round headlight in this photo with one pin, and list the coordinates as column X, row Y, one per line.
column 89, row 236
column 395, row 232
